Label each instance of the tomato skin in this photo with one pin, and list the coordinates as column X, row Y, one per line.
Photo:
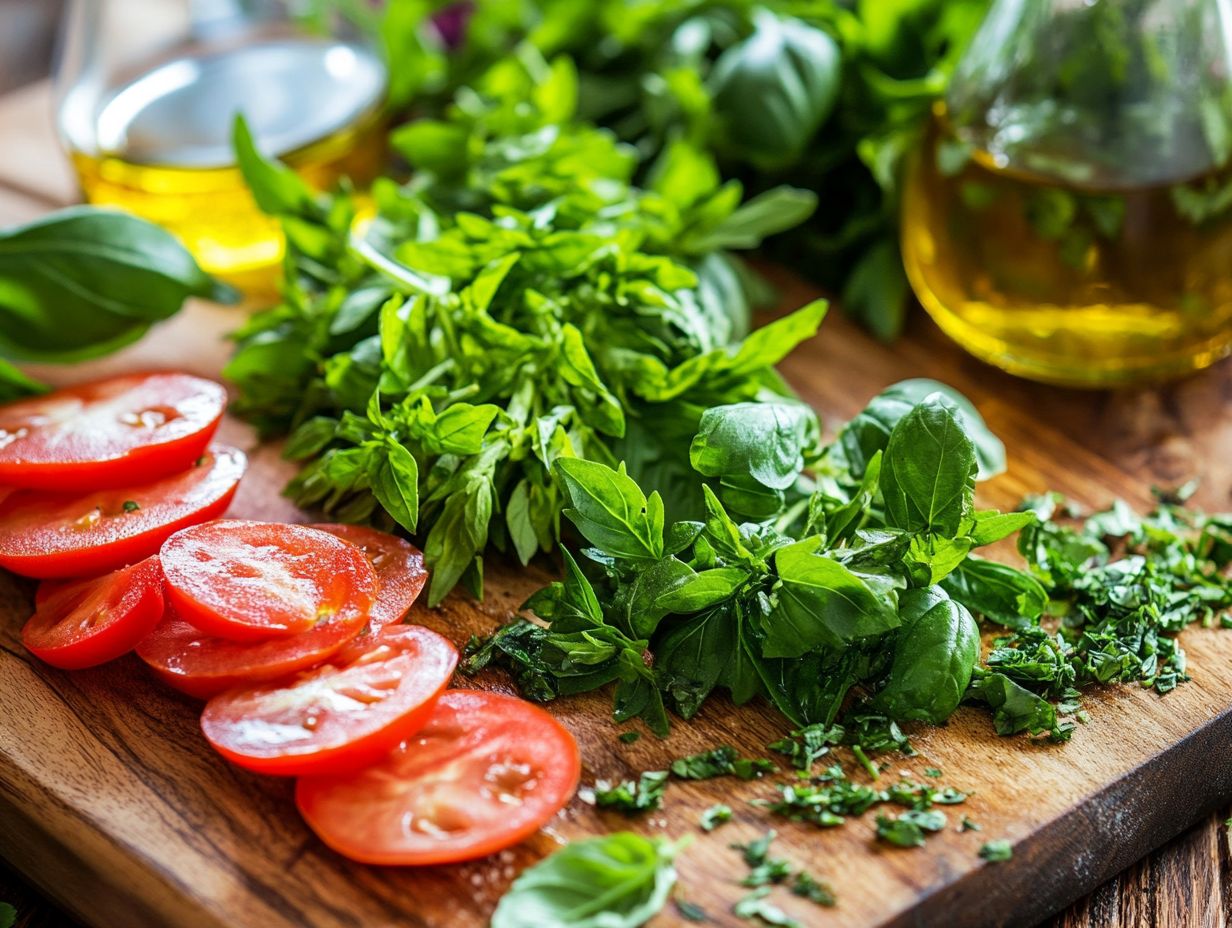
column 202, row 665
column 109, row 433
column 49, row 535
column 129, row 603
column 399, row 567
column 252, row 580
column 306, row 724
column 486, row 772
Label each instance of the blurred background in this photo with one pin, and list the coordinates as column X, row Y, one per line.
column 27, row 35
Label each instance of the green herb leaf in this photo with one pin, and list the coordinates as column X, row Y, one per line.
column 617, row 881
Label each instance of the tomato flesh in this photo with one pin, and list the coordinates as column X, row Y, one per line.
column 351, row 711
column 90, row 622
column 64, row 535
column 203, row 665
column 399, row 567
column 253, row 580
column 108, row 433
column 483, row 774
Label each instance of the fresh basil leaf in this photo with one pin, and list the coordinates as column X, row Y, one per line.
column 999, row 592
column 1016, row 709
column 935, row 653
column 82, row 282
column 869, row 432
column 621, row 880
column 765, row 441
column 820, row 603
column 278, row 190
column 703, row 590
column 394, row 478
column 610, row 510
column 764, row 215
column 774, row 89
column 928, row 470
column 991, row 526
column 642, row 602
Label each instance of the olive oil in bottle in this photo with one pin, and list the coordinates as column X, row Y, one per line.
column 1069, row 218
column 159, row 144
column 1064, row 284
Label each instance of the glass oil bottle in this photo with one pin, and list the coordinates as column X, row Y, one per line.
column 1069, row 216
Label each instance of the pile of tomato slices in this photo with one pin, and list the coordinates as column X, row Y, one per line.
column 295, row 634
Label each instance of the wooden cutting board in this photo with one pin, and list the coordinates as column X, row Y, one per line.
column 111, row 801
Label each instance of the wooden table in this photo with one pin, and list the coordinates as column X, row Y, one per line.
column 1163, row 435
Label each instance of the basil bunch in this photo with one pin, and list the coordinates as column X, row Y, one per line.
column 827, row 95
column 517, row 302
column 788, row 587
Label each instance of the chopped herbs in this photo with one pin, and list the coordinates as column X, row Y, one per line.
column 968, row 825
column 996, row 851
column 813, row 890
column 716, row 815
column 806, row 745
column 632, row 798
column 827, row 800
column 932, row 772
column 900, row 831
column 721, row 761
column 629, row 737
column 690, row 912
column 755, row 906
column 130, row 505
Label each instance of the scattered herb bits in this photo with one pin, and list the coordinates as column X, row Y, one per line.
column 716, row 815
column 632, row 797
column 996, row 851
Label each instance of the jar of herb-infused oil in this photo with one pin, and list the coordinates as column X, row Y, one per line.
column 149, row 93
column 1069, row 216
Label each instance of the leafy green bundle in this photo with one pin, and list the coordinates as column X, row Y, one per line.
column 84, row 282
column 784, row 588
column 517, row 302
column 828, row 95
column 864, row 581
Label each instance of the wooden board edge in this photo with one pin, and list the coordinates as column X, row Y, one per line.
column 25, row 847
column 1091, row 843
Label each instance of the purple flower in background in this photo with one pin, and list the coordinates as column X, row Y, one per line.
column 452, row 21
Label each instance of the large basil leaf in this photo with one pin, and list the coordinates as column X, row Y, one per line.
column 822, row 603
column 928, row 470
column 869, row 432
column 83, row 282
column 773, row 90
column 617, row 881
column 765, row 441
column 998, row 592
column 934, row 657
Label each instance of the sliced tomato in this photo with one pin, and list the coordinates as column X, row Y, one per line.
column 399, row 567
column 65, row 535
column 90, row 622
column 203, row 665
column 348, row 713
column 485, row 773
column 253, row 580
column 109, row 433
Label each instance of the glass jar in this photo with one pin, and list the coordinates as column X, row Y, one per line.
column 147, row 97
column 1069, row 217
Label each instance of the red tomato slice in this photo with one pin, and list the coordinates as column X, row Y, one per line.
column 110, row 433
column 485, row 773
column 202, row 665
column 57, row 535
column 253, row 580
column 348, row 713
column 90, row 622
column 399, row 569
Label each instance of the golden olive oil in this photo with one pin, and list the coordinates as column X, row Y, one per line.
column 159, row 146
column 1084, row 287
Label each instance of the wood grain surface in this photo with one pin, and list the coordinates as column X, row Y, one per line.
column 111, row 802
